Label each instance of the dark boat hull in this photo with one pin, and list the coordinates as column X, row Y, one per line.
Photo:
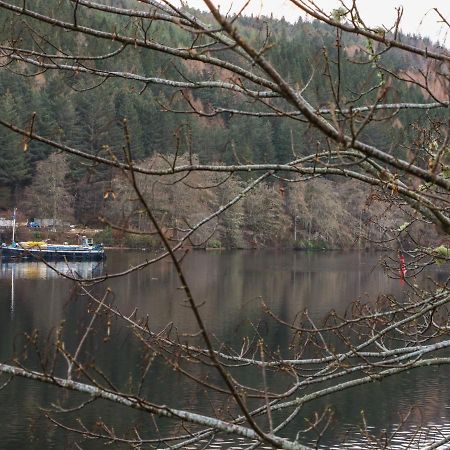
column 9, row 253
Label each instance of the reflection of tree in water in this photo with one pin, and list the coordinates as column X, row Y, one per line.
column 287, row 282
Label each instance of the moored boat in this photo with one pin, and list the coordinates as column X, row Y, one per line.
column 41, row 250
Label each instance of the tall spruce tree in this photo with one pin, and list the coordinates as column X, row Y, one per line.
column 14, row 159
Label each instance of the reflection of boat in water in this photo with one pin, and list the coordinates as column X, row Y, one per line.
column 41, row 250
column 21, row 270
column 40, row 270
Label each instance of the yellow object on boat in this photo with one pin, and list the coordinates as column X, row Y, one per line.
column 33, row 244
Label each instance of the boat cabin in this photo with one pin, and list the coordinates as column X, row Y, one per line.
column 87, row 242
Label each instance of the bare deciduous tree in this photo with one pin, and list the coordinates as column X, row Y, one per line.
column 374, row 342
column 48, row 194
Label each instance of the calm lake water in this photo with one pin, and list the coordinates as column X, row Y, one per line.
column 230, row 286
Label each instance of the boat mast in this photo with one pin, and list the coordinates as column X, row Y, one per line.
column 14, row 225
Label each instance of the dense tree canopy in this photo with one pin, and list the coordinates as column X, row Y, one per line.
column 92, row 102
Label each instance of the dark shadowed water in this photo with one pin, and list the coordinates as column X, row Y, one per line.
column 230, row 286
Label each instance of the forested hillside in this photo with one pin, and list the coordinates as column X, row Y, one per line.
column 168, row 129
column 86, row 112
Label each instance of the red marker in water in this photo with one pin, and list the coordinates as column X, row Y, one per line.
column 402, row 269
